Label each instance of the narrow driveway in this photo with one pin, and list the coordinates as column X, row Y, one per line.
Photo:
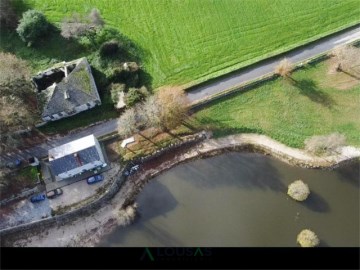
column 41, row 150
column 202, row 91
column 266, row 67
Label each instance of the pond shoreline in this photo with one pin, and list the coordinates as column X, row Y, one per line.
column 89, row 230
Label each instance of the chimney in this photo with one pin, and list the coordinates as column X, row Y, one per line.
column 66, row 94
column 78, row 160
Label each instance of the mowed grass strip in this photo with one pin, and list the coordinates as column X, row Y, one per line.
column 289, row 113
column 192, row 41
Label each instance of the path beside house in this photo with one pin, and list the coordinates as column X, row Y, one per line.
column 41, row 150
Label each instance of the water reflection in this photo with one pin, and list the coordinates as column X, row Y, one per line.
column 254, row 171
column 151, row 207
column 239, row 199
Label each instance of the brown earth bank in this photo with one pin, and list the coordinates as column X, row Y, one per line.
column 121, row 209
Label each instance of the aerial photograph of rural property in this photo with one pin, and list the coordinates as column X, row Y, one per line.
column 180, row 123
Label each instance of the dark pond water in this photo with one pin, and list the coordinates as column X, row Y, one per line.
column 239, row 200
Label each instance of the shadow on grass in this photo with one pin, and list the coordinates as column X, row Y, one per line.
column 48, row 50
column 20, row 6
column 309, row 88
column 351, row 75
column 221, row 129
column 173, row 135
column 147, row 138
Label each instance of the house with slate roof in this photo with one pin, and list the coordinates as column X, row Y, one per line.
column 75, row 158
column 66, row 89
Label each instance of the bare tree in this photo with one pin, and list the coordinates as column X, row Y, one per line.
column 284, row 69
column 16, row 92
column 152, row 112
column 12, row 68
column 128, row 123
column 95, row 17
column 347, row 59
column 76, row 25
column 174, row 105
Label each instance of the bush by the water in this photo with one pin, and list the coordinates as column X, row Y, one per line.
column 127, row 215
column 327, row 144
column 298, row 190
column 307, row 238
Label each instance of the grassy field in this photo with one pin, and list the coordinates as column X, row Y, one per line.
column 318, row 103
column 192, row 41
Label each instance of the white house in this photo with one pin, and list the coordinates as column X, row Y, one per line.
column 76, row 157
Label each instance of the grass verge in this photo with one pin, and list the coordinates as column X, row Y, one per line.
column 318, row 103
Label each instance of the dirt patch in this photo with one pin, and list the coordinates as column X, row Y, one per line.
column 338, row 79
column 16, row 181
column 112, row 150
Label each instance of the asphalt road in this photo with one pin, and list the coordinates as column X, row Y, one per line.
column 295, row 56
column 202, row 91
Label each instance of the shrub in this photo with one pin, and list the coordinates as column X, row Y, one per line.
column 133, row 96
column 32, row 26
column 144, row 91
column 109, row 48
column 307, row 238
column 77, row 26
column 298, row 190
column 127, row 215
column 115, row 90
column 284, row 69
column 327, row 144
column 117, row 95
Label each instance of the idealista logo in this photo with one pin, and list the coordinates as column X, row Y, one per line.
column 177, row 254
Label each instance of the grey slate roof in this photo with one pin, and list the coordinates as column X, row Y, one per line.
column 80, row 86
column 69, row 162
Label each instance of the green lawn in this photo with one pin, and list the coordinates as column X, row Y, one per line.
column 29, row 173
column 194, row 40
column 288, row 113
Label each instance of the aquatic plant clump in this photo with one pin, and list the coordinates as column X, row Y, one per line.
column 307, row 238
column 298, row 190
column 127, row 215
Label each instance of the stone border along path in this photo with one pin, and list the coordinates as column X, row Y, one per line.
column 88, row 232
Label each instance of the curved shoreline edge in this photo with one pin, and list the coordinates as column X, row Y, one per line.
column 206, row 148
